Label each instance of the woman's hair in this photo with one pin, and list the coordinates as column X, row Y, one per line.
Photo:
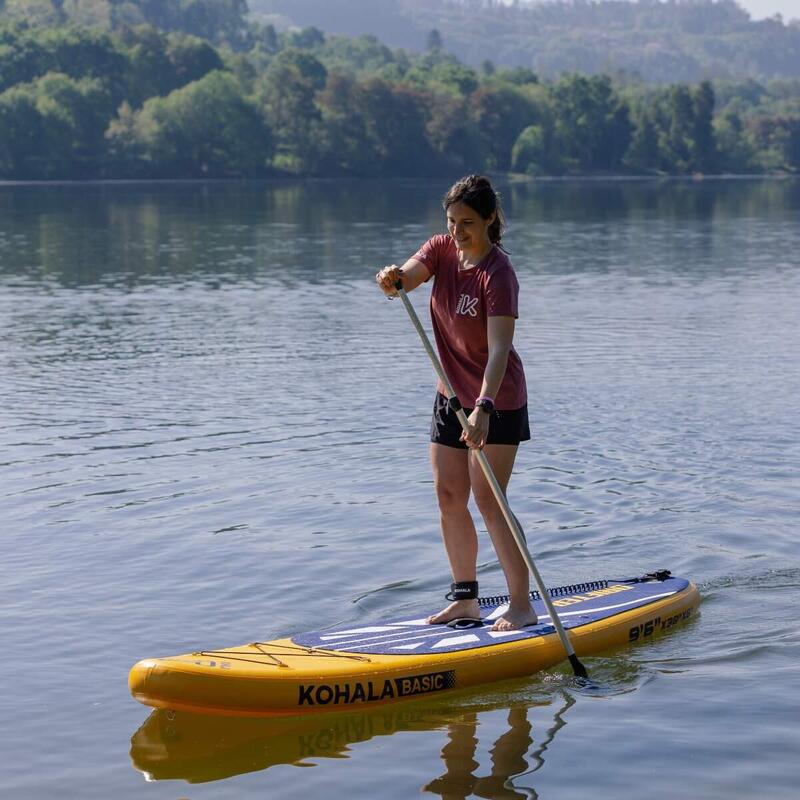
column 476, row 192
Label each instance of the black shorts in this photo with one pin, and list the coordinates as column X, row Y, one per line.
column 505, row 427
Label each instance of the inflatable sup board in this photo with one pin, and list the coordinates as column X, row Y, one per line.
column 394, row 659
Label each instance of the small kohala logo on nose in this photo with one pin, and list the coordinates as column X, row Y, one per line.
column 466, row 305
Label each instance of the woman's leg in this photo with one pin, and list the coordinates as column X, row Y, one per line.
column 501, row 459
column 452, row 481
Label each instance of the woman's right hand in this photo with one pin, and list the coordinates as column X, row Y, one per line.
column 387, row 278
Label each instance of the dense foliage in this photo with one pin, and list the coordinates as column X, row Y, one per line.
column 656, row 40
column 219, row 21
column 138, row 101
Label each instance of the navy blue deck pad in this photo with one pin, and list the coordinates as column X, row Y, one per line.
column 416, row 637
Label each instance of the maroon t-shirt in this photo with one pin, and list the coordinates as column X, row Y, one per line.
column 461, row 303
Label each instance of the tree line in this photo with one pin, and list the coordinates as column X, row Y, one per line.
column 141, row 102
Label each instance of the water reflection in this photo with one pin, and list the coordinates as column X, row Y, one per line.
column 128, row 234
column 511, row 756
column 197, row 748
column 589, row 201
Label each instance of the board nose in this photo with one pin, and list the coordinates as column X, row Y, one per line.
column 139, row 675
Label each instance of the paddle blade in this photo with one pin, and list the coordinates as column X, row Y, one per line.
column 577, row 667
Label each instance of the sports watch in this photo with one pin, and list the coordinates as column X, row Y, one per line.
column 485, row 404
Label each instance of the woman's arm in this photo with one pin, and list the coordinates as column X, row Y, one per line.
column 500, row 333
column 412, row 273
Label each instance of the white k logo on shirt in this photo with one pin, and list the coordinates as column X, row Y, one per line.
column 466, row 305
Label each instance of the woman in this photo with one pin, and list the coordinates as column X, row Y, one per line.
column 473, row 309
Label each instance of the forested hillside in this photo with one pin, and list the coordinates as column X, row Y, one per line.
column 655, row 40
column 219, row 21
column 125, row 99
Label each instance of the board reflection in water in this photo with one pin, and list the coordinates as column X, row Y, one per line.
column 198, row 748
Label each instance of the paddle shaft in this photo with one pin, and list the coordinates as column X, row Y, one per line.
column 511, row 520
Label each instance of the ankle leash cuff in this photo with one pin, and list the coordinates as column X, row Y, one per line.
column 463, row 590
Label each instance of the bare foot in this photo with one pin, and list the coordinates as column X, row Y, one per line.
column 460, row 608
column 516, row 618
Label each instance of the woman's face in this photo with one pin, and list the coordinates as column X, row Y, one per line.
column 468, row 228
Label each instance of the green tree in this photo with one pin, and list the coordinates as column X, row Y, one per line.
column 75, row 115
column 21, row 135
column 83, row 52
column 676, row 142
column 592, row 124
column 791, row 143
column 38, row 12
column 306, row 38
column 778, row 141
column 124, row 146
column 191, row 58
column 501, row 114
column 287, row 94
column 452, row 134
column 457, row 78
column 22, row 56
column 53, row 128
column 643, row 153
column 394, row 122
column 519, row 76
column 162, row 14
column 434, row 40
column 28, row 53
column 87, row 12
column 735, row 150
column 373, row 128
column 268, row 38
column 358, row 55
column 150, row 72
column 530, row 151
column 346, row 147
column 207, row 128
column 220, row 21
column 704, row 146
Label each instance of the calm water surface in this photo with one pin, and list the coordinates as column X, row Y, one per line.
column 213, row 430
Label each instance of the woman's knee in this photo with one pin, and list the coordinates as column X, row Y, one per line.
column 452, row 497
column 486, row 502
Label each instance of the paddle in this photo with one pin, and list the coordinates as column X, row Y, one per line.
column 511, row 520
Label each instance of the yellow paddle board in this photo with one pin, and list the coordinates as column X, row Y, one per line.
column 394, row 659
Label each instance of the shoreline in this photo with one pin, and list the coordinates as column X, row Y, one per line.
column 511, row 177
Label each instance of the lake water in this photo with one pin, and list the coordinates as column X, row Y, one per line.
column 213, row 430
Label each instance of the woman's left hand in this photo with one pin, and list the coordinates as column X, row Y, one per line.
column 477, row 429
